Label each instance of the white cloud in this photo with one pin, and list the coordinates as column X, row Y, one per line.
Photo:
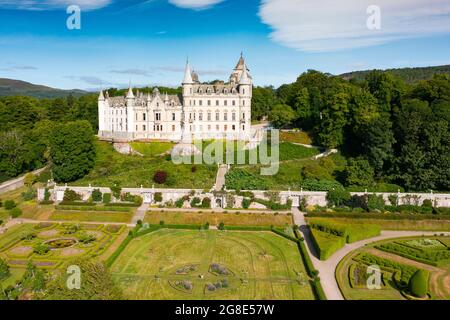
column 52, row 4
column 195, row 4
column 330, row 25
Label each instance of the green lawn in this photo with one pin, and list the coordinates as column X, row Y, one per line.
column 134, row 171
column 152, row 149
column 259, row 265
column 95, row 216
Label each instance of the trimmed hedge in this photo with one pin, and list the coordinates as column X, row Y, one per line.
column 325, row 243
column 381, row 216
column 351, row 233
column 281, row 233
column 124, row 204
column 91, row 208
column 77, row 203
column 312, row 272
column 318, row 289
column 248, row 228
column 418, row 284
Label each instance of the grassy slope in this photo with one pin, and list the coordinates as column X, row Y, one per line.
column 92, row 216
column 268, row 262
column 152, row 149
column 134, row 171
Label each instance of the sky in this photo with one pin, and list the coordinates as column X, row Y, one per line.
column 148, row 42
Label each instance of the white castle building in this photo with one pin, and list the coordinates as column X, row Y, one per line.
column 216, row 110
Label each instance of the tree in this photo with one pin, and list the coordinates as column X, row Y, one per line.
column 358, row 172
column 96, row 284
column 418, row 283
column 72, row 150
column 337, row 197
column 281, row 115
column 160, row 177
column 97, row 195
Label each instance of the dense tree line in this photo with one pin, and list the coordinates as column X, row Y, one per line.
column 34, row 132
column 392, row 131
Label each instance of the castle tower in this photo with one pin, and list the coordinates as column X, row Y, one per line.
column 101, row 111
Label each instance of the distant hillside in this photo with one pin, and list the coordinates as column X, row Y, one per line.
column 410, row 75
column 10, row 87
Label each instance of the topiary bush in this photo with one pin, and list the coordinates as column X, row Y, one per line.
column 15, row 212
column 206, row 203
column 158, row 197
column 418, row 283
column 246, row 203
column 9, row 204
column 97, row 195
column 160, row 177
column 195, row 202
column 107, row 198
column 71, row 195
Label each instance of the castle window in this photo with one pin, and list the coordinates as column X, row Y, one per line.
column 217, row 116
column 243, row 115
column 225, row 91
column 191, row 91
column 158, row 116
column 209, row 116
column 209, row 102
column 136, row 118
column 217, row 102
column 200, row 102
column 173, row 116
column 136, row 128
column 243, row 91
column 243, row 127
column 233, row 116
column 157, row 104
column 173, row 127
column 233, row 103
column 225, row 128
column 225, row 116
column 233, row 127
column 243, row 102
column 143, row 116
column 143, row 127
column 225, row 102
column 194, row 102
column 200, row 116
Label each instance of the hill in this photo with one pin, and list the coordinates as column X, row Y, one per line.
column 11, row 87
column 410, row 75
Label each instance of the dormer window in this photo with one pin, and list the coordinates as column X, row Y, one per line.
column 225, row 91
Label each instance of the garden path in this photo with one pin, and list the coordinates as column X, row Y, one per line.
column 327, row 268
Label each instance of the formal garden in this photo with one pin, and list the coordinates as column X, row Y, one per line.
column 49, row 246
column 207, row 264
column 411, row 268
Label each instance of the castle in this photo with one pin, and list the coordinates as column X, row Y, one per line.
column 216, row 110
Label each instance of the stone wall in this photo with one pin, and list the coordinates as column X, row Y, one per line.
column 17, row 182
column 217, row 200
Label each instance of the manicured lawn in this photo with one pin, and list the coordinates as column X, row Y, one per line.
column 297, row 137
column 229, row 219
column 258, row 265
column 134, row 171
column 92, row 216
column 418, row 225
column 152, row 149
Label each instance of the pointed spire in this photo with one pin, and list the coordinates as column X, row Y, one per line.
column 241, row 63
column 187, row 74
column 130, row 94
column 101, row 97
column 166, row 97
column 244, row 77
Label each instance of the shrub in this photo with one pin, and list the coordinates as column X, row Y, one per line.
column 28, row 195
column 46, row 195
column 221, row 226
column 15, row 212
column 195, row 202
column 29, row 179
column 357, row 201
column 418, row 284
column 320, row 185
column 179, row 203
column 160, row 177
column 97, row 195
column 71, row 195
column 375, row 202
column 206, row 203
column 393, row 199
column 193, row 169
column 427, row 203
column 107, row 198
column 161, row 223
column 41, row 249
column 158, row 197
column 86, row 238
column 10, row 204
column 246, row 203
column 337, row 197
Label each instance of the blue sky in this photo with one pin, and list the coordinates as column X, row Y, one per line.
column 147, row 42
